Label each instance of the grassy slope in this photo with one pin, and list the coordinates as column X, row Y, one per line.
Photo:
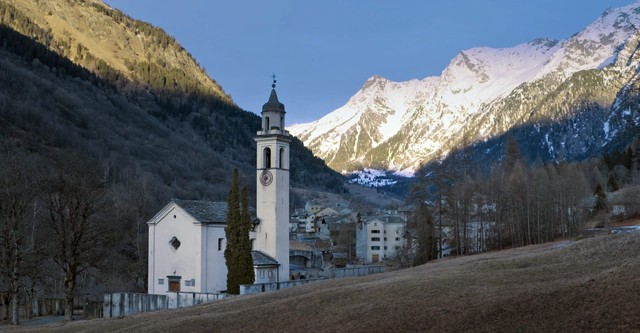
column 587, row 285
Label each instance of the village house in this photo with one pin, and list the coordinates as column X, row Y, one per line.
column 380, row 237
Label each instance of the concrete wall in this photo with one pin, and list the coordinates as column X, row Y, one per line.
column 249, row 289
column 336, row 273
column 48, row 307
column 183, row 299
column 126, row 304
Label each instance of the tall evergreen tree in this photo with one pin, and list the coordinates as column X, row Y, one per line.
column 512, row 154
column 612, row 183
column 245, row 261
column 427, row 247
column 601, row 198
column 233, row 235
column 421, row 222
column 238, row 252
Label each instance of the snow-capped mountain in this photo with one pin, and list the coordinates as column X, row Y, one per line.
column 564, row 90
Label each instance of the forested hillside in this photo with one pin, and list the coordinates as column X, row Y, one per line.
column 154, row 75
column 137, row 126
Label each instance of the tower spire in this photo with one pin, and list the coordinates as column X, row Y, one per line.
column 273, row 105
column 272, row 185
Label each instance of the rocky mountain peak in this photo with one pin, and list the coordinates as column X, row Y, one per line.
column 482, row 93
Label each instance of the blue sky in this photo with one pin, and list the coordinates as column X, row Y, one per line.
column 323, row 51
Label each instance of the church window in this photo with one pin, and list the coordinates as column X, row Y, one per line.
column 266, row 123
column 160, row 281
column 267, row 157
column 175, row 243
column 220, row 240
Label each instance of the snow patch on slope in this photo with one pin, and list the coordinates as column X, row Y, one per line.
column 371, row 178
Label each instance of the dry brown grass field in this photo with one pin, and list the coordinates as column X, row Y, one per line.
column 588, row 285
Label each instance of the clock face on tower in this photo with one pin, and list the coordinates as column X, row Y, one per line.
column 266, row 178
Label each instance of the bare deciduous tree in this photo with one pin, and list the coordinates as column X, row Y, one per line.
column 17, row 197
column 73, row 193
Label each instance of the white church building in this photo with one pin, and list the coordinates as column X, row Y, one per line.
column 187, row 237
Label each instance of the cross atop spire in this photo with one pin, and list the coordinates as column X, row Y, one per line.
column 273, row 105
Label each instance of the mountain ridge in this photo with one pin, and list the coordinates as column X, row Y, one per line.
column 425, row 119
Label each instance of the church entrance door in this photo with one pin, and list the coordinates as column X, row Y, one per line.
column 174, row 283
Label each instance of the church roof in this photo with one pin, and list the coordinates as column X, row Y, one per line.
column 273, row 104
column 209, row 211
column 204, row 211
column 262, row 259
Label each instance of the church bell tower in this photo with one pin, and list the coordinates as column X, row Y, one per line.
column 272, row 184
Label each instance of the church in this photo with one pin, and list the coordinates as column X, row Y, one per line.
column 187, row 237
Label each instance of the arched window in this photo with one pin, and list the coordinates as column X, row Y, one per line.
column 266, row 123
column 281, row 159
column 267, row 157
